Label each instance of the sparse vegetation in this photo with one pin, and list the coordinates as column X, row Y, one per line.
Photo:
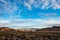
column 13, row 34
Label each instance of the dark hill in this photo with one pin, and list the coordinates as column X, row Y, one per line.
column 7, row 30
column 54, row 28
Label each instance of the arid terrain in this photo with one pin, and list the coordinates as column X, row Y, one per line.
column 52, row 33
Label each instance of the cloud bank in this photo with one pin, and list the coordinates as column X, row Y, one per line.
column 29, row 23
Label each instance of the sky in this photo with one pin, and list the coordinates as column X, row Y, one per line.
column 29, row 13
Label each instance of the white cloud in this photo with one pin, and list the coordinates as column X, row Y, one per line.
column 55, row 4
column 47, row 14
column 10, row 8
column 27, row 5
column 31, row 2
column 53, row 23
column 19, row 23
column 43, row 4
column 51, row 14
column 29, row 23
column 46, row 3
column 4, row 21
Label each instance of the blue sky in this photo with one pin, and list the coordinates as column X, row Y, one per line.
column 29, row 13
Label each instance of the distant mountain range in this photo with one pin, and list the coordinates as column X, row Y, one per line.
column 54, row 28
